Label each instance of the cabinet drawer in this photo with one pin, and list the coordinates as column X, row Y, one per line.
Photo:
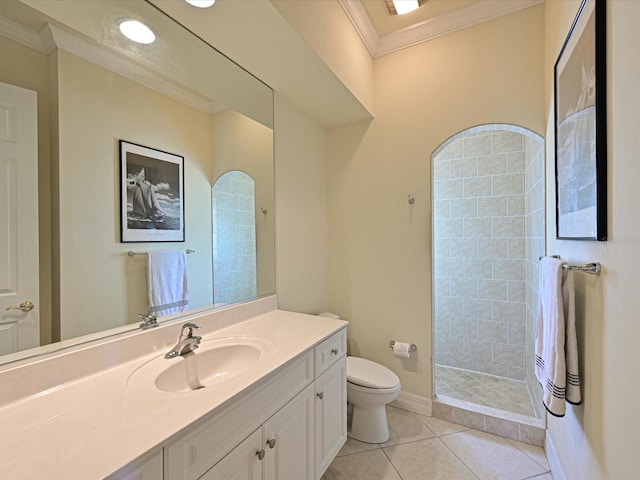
column 330, row 350
column 203, row 446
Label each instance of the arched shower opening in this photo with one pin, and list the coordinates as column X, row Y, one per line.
column 488, row 232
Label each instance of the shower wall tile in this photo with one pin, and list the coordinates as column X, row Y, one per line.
column 508, row 312
column 462, row 287
column 440, row 170
column 494, row 290
column 464, row 247
column 464, row 167
column 478, row 187
column 508, row 269
column 516, row 248
column 517, row 291
column 507, row 142
column 477, row 309
column 516, row 161
column 449, row 189
column 465, row 328
column 511, row 355
column 442, row 208
column 478, row 268
column 492, row 165
column 493, row 206
column 478, row 349
column 508, row 227
column 493, row 331
column 476, row 146
column 478, row 227
column 453, row 150
column 464, row 207
column 510, row 184
column 516, row 205
column 515, row 334
column 492, row 247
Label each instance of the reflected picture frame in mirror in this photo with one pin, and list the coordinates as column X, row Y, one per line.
column 186, row 97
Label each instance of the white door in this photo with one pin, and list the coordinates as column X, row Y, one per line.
column 19, row 329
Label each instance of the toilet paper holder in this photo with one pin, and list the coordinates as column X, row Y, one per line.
column 412, row 347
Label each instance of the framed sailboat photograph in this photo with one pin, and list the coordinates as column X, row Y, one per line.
column 151, row 194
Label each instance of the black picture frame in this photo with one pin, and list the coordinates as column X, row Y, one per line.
column 581, row 127
column 151, row 194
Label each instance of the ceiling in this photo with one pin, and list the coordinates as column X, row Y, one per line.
column 383, row 33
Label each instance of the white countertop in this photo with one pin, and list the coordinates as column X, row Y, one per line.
column 91, row 427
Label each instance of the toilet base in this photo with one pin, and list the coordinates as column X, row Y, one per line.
column 369, row 425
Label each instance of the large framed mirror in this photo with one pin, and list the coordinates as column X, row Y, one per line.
column 93, row 88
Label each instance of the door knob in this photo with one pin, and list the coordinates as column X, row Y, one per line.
column 25, row 306
column 271, row 442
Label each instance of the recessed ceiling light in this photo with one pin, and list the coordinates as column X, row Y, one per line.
column 136, row 31
column 201, row 3
column 400, row 7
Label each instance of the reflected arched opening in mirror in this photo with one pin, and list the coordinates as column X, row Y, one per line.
column 234, row 238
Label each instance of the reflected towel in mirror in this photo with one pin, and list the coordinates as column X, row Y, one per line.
column 167, row 274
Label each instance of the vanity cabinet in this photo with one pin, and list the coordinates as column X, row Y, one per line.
column 281, row 449
column 290, row 426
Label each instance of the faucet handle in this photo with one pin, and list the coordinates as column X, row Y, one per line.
column 190, row 326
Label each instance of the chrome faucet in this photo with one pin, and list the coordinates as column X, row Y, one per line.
column 186, row 343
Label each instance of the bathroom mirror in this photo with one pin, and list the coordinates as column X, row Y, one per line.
column 177, row 95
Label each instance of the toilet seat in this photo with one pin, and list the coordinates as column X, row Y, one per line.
column 370, row 375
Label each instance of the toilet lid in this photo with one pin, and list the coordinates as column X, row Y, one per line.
column 370, row 374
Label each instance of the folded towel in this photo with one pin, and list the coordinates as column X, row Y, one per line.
column 556, row 345
column 167, row 274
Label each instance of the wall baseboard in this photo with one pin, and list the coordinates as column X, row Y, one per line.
column 553, row 458
column 413, row 403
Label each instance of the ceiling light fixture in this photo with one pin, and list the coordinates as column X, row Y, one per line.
column 400, row 7
column 136, row 31
column 201, row 3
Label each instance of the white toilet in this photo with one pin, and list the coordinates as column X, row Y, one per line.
column 370, row 386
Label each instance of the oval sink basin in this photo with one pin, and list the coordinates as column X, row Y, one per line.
column 216, row 361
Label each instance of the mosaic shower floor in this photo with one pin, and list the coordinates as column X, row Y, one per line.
column 496, row 392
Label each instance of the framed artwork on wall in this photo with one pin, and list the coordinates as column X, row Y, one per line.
column 151, row 195
column 581, row 127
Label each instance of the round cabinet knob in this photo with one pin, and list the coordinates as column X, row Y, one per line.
column 334, row 351
column 260, row 454
column 320, row 395
column 271, row 443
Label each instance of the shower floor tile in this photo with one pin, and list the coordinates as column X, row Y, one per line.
column 502, row 393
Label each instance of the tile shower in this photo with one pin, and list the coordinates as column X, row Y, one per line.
column 488, row 224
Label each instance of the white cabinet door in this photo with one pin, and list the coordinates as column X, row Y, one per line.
column 288, row 439
column 331, row 414
column 242, row 463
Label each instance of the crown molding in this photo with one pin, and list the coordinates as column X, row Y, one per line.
column 429, row 29
column 25, row 36
column 52, row 37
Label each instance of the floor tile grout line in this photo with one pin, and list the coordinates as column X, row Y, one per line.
column 458, row 457
column 526, row 453
column 392, row 464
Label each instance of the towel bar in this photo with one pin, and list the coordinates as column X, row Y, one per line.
column 592, row 268
column 131, row 254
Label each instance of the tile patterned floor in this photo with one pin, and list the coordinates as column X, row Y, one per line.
column 426, row 448
column 501, row 393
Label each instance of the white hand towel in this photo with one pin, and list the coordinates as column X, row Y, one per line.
column 556, row 343
column 167, row 274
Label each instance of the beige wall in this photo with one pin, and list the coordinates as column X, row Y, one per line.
column 27, row 68
column 96, row 109
column 301, row 206
column 329, row 31
column 380, row 246
column 599, row 440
